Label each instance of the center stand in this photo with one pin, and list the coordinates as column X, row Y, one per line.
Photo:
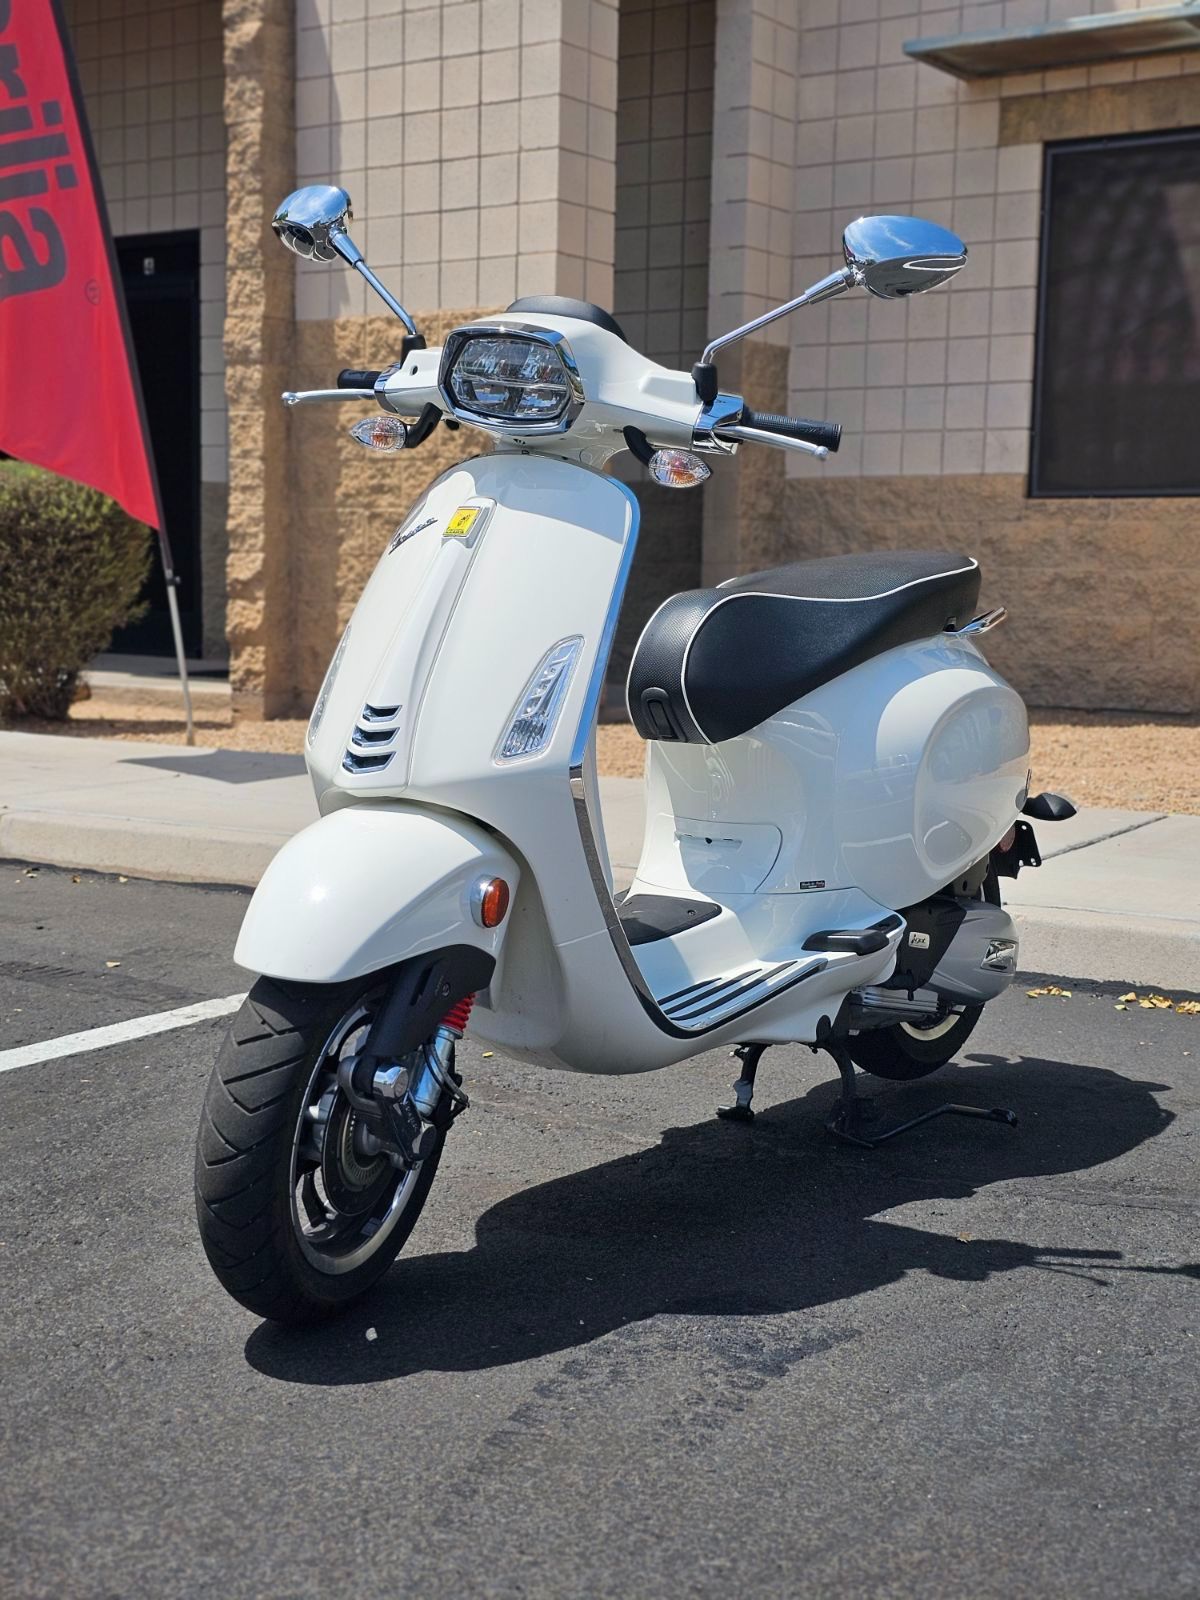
column 851, row 1116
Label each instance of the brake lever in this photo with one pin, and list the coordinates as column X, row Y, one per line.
column 739, row 434
column 299, row 397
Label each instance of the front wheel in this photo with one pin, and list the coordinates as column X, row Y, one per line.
column 297, row 1215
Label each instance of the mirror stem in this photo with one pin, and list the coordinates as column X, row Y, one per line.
column 836, row 283
column 351, row 254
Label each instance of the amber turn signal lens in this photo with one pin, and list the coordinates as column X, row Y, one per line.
column 493, row 902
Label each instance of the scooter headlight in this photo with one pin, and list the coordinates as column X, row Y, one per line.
column 516, row 380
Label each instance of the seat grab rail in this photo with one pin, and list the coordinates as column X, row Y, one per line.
column 984, row 623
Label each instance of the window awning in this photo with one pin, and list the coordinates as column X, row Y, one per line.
column 1078, row 41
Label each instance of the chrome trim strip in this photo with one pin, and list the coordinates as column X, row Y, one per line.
column 760, row 985
column 591, row 703
column 624, row 952
column 707, row 990
column 587, row 834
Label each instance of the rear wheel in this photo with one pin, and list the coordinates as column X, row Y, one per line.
column 299, row 1213
column 908, row 1050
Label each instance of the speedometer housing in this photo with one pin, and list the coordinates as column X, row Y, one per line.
column 511, row 378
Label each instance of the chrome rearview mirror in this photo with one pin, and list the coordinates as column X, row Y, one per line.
column 312, row 223
column 893, row 257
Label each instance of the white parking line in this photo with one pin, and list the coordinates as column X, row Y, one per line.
column 74, row 1044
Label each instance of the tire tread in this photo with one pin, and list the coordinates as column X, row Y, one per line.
column 243, row 1156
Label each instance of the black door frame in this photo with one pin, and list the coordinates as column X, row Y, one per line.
column 164, row 268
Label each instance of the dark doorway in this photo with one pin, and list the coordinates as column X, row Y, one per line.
column 161, row 274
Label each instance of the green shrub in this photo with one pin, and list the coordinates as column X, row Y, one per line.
column 72, row 565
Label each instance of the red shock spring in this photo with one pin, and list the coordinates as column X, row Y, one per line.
column 459, row 1014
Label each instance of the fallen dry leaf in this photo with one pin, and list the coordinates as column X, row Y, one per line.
column 487, row 1054
column 964, row 1238
column 1132, row 995
column 1120, row 1007
column 112, row 963
column 1188, row 1008
column 1050, row 989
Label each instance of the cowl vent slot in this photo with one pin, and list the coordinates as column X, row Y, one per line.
column 354, row 761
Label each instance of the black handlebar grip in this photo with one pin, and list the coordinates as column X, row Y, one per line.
column 827, row 433
column 354, row 378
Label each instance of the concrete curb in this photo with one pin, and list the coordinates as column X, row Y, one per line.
column 164, row 851
column 1097, row 945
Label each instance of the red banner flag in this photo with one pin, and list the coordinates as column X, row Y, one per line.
column 69, row 394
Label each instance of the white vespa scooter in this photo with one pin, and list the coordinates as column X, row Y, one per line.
column 835, row 778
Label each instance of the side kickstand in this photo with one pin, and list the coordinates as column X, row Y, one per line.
column 850, row 1114
column 741, row 1111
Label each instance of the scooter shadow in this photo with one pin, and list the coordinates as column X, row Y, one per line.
column 729, row 1220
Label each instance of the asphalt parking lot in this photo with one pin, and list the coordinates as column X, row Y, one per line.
column 630, row 1351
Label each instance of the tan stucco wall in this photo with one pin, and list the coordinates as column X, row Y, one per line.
column 1102, row 613
column 259, row 54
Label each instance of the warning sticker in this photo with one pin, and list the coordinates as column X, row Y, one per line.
column 461, row 523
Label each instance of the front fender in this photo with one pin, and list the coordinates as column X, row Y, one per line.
column 367, row 886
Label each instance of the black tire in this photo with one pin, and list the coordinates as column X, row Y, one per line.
column 899, row 1053
column 245, row 1174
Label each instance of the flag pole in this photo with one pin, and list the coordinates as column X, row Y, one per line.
column 172, row 582
column 170, row 576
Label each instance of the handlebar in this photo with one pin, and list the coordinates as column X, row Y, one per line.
column 825, row 434
column 354, row 378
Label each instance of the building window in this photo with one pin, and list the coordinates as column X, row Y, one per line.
column 1117, row 382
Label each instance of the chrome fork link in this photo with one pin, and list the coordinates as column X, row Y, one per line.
column 437, row 1093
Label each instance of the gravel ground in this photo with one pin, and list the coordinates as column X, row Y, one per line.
column 1099, row 758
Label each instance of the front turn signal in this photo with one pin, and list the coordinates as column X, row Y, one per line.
column 678, row 469
column 489, row 902
column 380, row 433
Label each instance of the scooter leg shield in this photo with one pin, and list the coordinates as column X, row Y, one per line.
column 368, row 886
